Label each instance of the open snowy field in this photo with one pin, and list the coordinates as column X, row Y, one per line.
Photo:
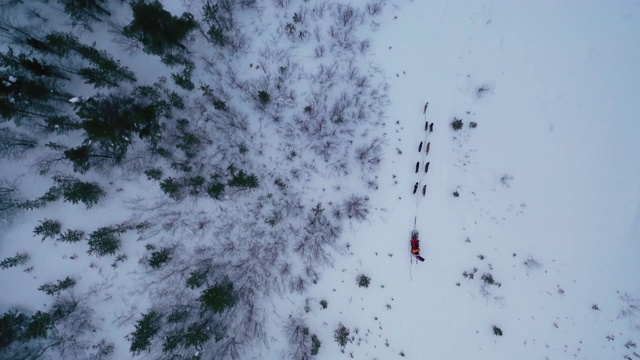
column 548, row 184
column 244, row 186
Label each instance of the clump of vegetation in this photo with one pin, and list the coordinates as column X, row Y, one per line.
column 483, row 90
column 324, row 304
column 456, row 194
column 497, row 331
column 341, row 335
column 473, row 124
column 159, row 258
column 457, row 124
column 264, row 97
column 363, row 281
column 506, row 179
column 532, row 263
column 315, row 345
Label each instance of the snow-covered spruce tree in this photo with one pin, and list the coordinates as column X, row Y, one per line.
column 217, row 24
column 145, row 330
column 17, row 260
column 58, row 287
column 85, row 12
column 105, row 241
column 75, row 191
column 159, row 32
column 24, row 95
column 104, row 70
column 30, row 63
column 47, row 229
column 112, row 121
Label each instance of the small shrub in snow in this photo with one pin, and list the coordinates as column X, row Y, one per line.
column 483, row 90
column 363, row 281
column 47, row 229
column 505, row 180
column 264, row 97
column 59, row 286
column 488, row 279
column 457, row 124
column 456, row 194
column 473, row 124
column 532, row 263
column 315, row 345
column 18, row 259
column 497, row 331
column 324, row 304
column 341, row 335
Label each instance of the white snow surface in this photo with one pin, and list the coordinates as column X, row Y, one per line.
column 551, row 173
column 560, row 119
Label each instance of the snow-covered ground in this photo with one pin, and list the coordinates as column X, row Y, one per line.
column 560, row 120
column 547, row 184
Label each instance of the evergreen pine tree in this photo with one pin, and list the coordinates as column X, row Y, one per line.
column 159, row 258
column 58, row 287
column 197, row 335
column 219, row 297
column 85, row 12
column 197, row 279
column 47, row 229
column 38, row 326
column 18, row 259
column 146, row 329
column 241, row 179
column 106, row 71
column 12, row 325
column 216, row 23
column 75, row 191
column 104, row 241
column 112, row 120
column 23, row 62
column 158, row 31
column 24, row 95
